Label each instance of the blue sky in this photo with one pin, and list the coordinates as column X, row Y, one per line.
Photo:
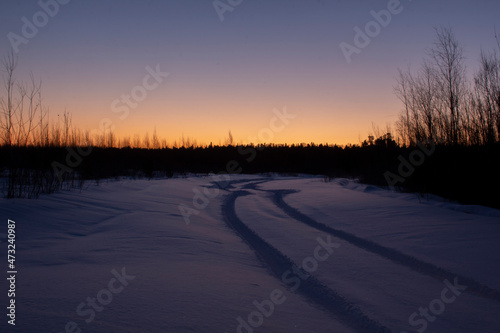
column 231, row 74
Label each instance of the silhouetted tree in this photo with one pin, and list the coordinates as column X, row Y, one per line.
column 20, row 107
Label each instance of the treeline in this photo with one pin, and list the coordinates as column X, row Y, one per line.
column 468, row 174
column 448, row 140
column 26, row 122
column 442, row 105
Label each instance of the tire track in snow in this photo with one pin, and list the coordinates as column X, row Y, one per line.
column 395, row 256
column 342, row 310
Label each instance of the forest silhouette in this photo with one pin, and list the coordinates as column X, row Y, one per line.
column 447, row 140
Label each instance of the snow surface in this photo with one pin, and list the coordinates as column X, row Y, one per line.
column 237, row 244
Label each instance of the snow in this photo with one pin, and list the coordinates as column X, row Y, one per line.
column 248, row 244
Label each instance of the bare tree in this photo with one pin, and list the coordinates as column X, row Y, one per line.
column 111, row 139
column 66, row 128
column 230, row 139
column 20, row 107
column 425, row 100
column 136, row 143
column 434, row 99
column 28, row 107
column 410, row 124
column 402, row 91
column 125, row 142
column 146, row 142
column 55, row 134
column 156, row 140
column 43, row 125
column 448, row 58
column 7, row 106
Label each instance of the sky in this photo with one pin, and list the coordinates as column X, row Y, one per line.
column 232, row 65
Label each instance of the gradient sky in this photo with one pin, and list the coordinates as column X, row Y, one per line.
column 231, row 74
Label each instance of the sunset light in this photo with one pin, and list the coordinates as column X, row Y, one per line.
column 250, row 166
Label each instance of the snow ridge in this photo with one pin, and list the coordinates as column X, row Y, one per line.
column 313, row 289
column 395, row 256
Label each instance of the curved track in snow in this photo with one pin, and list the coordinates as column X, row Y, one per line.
column 395, row 256
column 313, row 288
column 310, row 287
